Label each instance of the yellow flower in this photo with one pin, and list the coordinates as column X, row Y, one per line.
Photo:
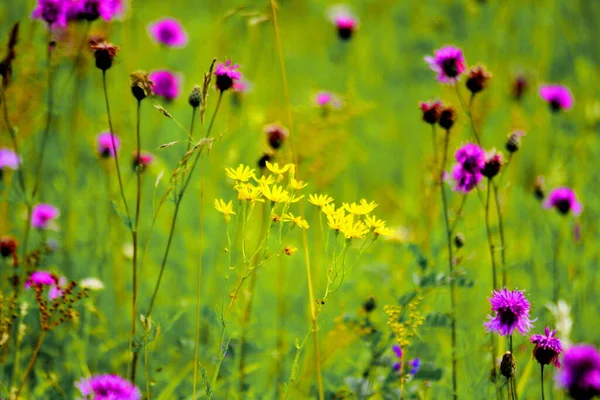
column 360, row 209
column 356, row 230
column 242, row 173
column 374, row 223
column 319, row 200
column 295, row 199
column 248, row 192
column 328, row 209
column 264, row 180
column 274, row 168
column 338, row 219
column 297, row 185
column 298, row 221
column 275, row 193
column 225, row 208
column 383, row 231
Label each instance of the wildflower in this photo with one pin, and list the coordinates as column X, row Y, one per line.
column 195, row 97
column 356, row 230
column 168, row 31
column 248, row 192
column 564, row 200
column 328, row 209
column 512, row 312
column 369, row 305
column 383, row 231
column 166, row 84
column 493, row 163
column 343, row 19
column 519, row 86
column 8, row 159
column 558, row 97
column 241, row 174
column 276, row 135
column 298, row 221
column 290, row 250
column 53, row 12
column 398, row 352
column 262, row 161
column 547, row 348
column 360, row 209
column 42, row 214
column 141, row 85
column 275, row 193
column 538, row 188
column 448, row 62
column 513, row 143
column 431, row 111
column 227, row 75
column 477, row 79
column 106, row 387
column 56, row 290
column 225, row 208
column 241, row 85
column 467, row 172
column 297, row 185
column 91, row 10
column 508, row 365
column 561, row 312
column 264, row 180
column 373, row 222
column 414, row 365
column 276, row 169
column 8, row 246
column 91, row 284
column 41, row 278
column 319, row 200
column 104, row 53
column 580, row 374
column 459, row 240
column 447, row 117
column 337, row 219
column 105, row 144
column 142, row 160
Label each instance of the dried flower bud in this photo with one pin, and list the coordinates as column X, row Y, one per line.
column 447, row 117
column 141, row 85
column 519, row 86
column 8, row 246
column 431, row 111
column 538, row 188
column 369, row 305
column 514, row 141
column 478, row 79
column 195, row 97
column 276, row 135
column 290, row 250
column 262, row 162
column 459, row 240
column 105, row 54
column 493, row 163
column 508, row 366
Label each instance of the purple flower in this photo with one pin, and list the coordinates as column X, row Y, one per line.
column 53, row 12
column 415, row 365
column 564, row 200
column 105, row 144
column 512, row 311
column 431, row 111
column 9, row 159
column 108, row 387
column 580, row 374
column 42, row 214
column 227, row 75
column 56, row 290
column 241, row 85
column 91, row 10
column 344, row 20
column 547, row 348
column 166, row 84
column 398, row 352
column 168, row 31
column 467, row 172
column 325, row 99
column 41, row 278
column 558, row 96
column 448, row 62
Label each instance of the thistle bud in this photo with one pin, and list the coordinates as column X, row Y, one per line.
column 262, row 162
column 105, row 54
column 369, row 305
column 493, row 163
column 478, row 79
column 431, row 111
column 8, row 246
column 141, row 85
column 508, row 366
column 538, row 188
column 519, row 87
column 459, row 240
column 195, row 97
column 276, row 135
column 447, row 117
column 513, row 143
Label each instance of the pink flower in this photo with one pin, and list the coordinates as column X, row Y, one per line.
column 227, row 75
column 9, row 159
column 41, row 278
column 53, row 12
column 344, row 20
column 168, row 31
column 56, row 290
column 564, row 200
column 105, row 144
column 242, row 85
column 448, row 62
column 42, row 214
column 166, row 84
column 108, row 387
column 558, row 97
column 142, row 160
column 91, row 10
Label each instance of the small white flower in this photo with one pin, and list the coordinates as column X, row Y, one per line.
column 92, row 284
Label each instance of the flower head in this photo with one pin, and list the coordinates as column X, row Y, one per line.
column 42, row 214
column 431, row 111
column 91, row 284
column 519, row 86
column 242, row 173
column 225, row 208
column 108, row 387
column 447, row 117
column 166, row 84
column 142, row 160
column 467, row 172
column 448, row 62
column 415, row 366
column 41, row 278
column 564, row 200
column 9, row 159
column 512, row 312
column 547, row 347
column 104, row 53
column 398, row 353
column 276, row 169
column 8, row 246
column 493, row 163
column 168, row 31
column 53, row 12
column 580, row 372
column 276, row 135
column 559, row 97
column 477, row 79
column 319, row 200
column 241, row 85
column 362, row 208
column 108, row 144
column 141, row 85
column 344, row 20
column 91, row 10
column 227, row 75
column 296, row 220
column 513, row 143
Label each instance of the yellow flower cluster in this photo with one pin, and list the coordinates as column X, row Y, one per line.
column 404, row 331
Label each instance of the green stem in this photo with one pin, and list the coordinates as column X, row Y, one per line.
column 489, row 235
column 502, row 242
column 542, row 381
column 31, row 362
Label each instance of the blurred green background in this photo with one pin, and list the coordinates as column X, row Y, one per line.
column 375, row 147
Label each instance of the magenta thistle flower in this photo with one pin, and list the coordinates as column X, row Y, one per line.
column 56, row 290
column 227, row 75
column 168, row 31
column 91, row 10
column 344, row 20
column 398, row 352
column 431, row 111
column 559, row 97
column 142, row 160
column 53, row 12
column 564, row 200
column 108, row 387
column 326, row 99
column 580, row 373
column 9, row 159
column 512, row 312
column 241, row 85
column 41, row 278
column 166, row 84
column 467, row 172
column 547, row 348
column 448, row 62
column 276, row 135
column 42, row 214
column 105, row 144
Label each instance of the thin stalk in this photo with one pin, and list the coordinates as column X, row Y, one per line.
column 450, row 266
column 555, row 267
column 31, row 362
column 469, row 110
column 502, row 242
column 13, row 137
column 489, row 235
column 542, row 381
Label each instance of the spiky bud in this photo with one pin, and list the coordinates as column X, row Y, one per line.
column 195, row 98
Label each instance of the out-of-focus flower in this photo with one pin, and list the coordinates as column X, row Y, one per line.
column 547, row 348
column 276, row 135
column 166, row 84
column 512, row 312
column 227, row 75
column 53, row 12
column 559, row 97
column 564, row 200
column 431, row 111
column 448, row 62
column 477, row 79
column 467, row 172
column 91, row 10
column 225, row 208
column 142, row 160
column 56, row 290
column 580, row 372
column 519, row 86
column 168, row 31
column 398, row 353
column 105, row 54
column 42, row 214
column 344, row 20
column 8, row 246
column 9, row 159
column 141, row 85
column 242, row 173
column 105, row 144
column 447, row 117
column 41, row 278
column 415, row 365
column 513, row 143
column 562, row 316
column 91, row 284
column 493, row 163
column 108, row 387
